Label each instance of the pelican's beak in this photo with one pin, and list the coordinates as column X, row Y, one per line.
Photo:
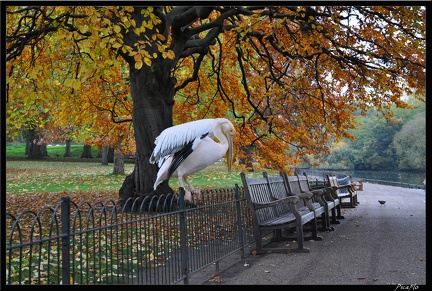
column 230, row 152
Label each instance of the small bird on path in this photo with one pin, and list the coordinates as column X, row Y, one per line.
column 382, row 202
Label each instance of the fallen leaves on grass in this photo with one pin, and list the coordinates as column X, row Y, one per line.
column 17, row 203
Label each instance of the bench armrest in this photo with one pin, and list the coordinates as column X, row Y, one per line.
column 349, row 187
column 333, row 192
column 307, row 198
column 329, row 193
column 318, row 194
column 305, row 195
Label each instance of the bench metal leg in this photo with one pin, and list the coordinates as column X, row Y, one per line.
column 326, row 216
column 315, row 235
column 334, row 216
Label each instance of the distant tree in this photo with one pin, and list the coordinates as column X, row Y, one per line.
column 87, row 152
column 410, row 144
column 290, row 77
column 36, row 146
column 378, row 144
column 67, row 148
column 104, row 155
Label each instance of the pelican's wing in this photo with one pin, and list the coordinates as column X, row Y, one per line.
column 183, row 153
column 181, row 139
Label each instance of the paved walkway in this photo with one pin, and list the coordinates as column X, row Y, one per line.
column 374, row 245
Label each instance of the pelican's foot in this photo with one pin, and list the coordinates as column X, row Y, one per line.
column 197, row 193
column 188, row 196
column 189, row 199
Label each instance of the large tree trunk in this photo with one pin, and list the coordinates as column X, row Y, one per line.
column 153, row 99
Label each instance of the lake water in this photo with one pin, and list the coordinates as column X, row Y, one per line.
column 403, row 177
column 409, row 177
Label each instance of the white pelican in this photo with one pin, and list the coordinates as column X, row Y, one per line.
column 190, row 147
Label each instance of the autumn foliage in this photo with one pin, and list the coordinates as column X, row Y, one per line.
column 289, row 78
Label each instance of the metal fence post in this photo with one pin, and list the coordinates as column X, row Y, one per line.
column 65, row 219
column 183, row 237
column 239, row 220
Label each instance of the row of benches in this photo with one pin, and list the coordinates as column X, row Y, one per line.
column 282, row 205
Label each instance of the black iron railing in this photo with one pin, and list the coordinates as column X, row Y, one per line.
column 150, row 241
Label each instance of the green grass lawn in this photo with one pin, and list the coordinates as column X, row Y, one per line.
column 59, row 174
column 54, row 152
column 52, row 176
column 55, row 176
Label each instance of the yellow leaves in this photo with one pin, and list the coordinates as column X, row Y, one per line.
column 106, row 22
column 47, row 95
column 158, row 36
column 116, row 45
column 137, row 57
column 69, row 82
column 117, row 28
column 168, row 54
column 138, row 65
column 147, row 61
column 74, row 83
column 33, row 74
column 129, row 9
column 147, row 11
column 138, row 31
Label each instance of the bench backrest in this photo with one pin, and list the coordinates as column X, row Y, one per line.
column 278, row 189
column 292, row 183
column 332, row 181
column 303, row 183
column 293, row 186
column 258, row 190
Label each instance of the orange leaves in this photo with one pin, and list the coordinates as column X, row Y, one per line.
column 284, row 74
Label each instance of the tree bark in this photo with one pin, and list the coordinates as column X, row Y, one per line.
column 36, row 151
column 110, row 155
column 104, row 155
column 44, row 150
column 152, row 91
column 87, row 152
column 248, row 161
column 28, row 143
column 118, row 164
column 68, row 148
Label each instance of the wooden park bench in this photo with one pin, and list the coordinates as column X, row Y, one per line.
column 275, row 211
column 316, row 203
column 351, row 192
column 358, row 184
column 329, row 198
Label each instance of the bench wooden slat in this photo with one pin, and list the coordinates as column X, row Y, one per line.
column 273, row 210
column 351, row 193
column 331, row 203
column 294, row 186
